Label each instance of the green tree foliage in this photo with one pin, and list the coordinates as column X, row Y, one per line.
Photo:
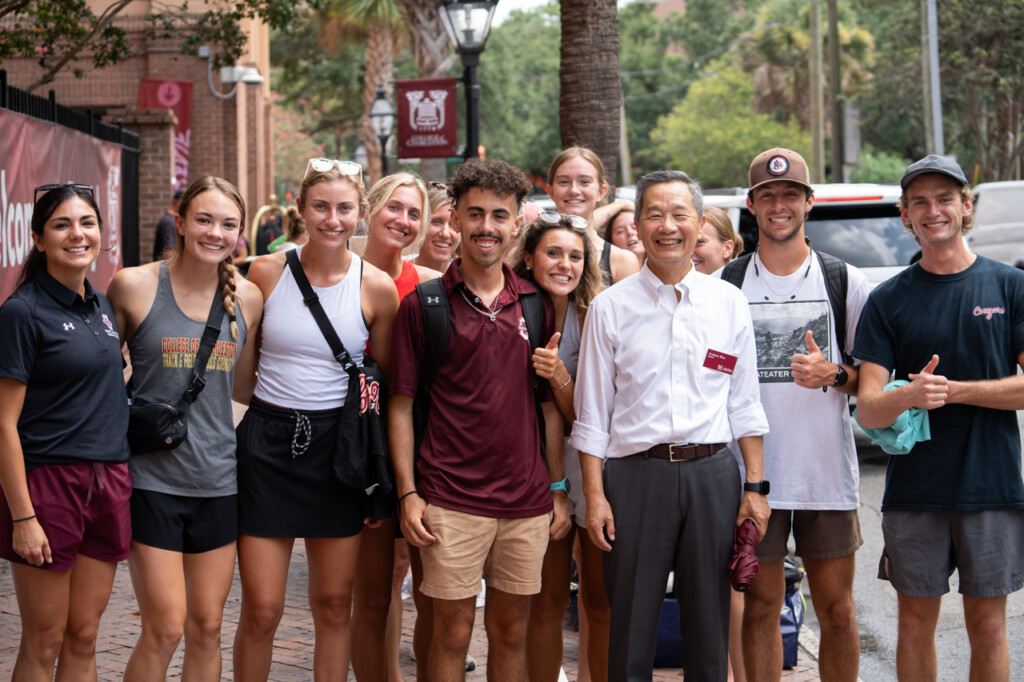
column 59, row 33
column 884, row 167
column 715, row 132
column 519, row 90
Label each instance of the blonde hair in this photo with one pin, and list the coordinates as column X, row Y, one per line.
column 386, row 186
column 332, row 175
column 293, row 223
column 438, row 197
column 226, row 272
column 719, row 220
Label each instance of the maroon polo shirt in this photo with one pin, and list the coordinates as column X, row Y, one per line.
column 481, row 450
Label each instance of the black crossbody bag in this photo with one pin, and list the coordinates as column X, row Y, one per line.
column 361, row 451
column 159, row 426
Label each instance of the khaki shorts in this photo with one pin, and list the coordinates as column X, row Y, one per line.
column 819, row 534
column 507, row 553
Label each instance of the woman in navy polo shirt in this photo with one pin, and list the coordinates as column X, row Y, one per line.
column 64, row 516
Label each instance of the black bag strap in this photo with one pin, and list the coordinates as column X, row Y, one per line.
column 836, row 284
column 736, row 271
column 312, row 302
column 206, row 344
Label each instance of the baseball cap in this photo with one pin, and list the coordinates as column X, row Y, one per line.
column 933, row 163
column 778, row 163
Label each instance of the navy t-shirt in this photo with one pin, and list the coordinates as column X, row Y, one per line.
column 974, row 321
column 66, row 350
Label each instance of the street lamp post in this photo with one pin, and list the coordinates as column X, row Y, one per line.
column 468, row 24
column 382, row 118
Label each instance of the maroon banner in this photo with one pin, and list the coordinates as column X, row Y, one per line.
column 167, row 93
column 34, row 152
column 426, row 118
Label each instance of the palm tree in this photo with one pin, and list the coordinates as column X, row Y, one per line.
column 591, row 93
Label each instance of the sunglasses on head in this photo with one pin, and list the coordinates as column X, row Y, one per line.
column 552, row 218
column 436, row 185
column 322, row 165
column 74, row 185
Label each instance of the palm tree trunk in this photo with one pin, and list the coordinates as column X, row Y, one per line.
column 591, row 92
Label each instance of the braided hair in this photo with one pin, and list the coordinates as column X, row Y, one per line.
column 226, row 272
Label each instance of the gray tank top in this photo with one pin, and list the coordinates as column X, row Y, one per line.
column 163, row 351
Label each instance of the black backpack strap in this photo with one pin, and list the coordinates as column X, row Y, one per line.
column 436, row 324
column 736, row 271
column 533, row 312
column 837, row 283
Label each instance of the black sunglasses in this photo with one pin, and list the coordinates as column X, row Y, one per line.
column 73, row 185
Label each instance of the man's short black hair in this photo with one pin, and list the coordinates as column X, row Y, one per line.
column 494, row 175
column 664, row 176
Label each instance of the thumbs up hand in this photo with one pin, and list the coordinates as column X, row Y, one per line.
column 930, row 390
column 545, row 360
column 812, row 369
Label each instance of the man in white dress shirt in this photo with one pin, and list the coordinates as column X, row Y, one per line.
column 667, row 376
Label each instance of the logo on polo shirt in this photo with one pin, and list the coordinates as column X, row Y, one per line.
column 68, row 327
column 110, row 326
column 523, row 331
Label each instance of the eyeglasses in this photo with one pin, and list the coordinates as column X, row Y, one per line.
column 552, row 218
column 322, row 165
column 73, row 185
column 436, row 185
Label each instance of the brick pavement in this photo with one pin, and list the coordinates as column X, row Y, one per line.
column 293, row 647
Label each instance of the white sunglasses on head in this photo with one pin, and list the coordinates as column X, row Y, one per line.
column 322, row 165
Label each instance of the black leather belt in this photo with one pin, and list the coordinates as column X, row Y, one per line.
column 684, row 452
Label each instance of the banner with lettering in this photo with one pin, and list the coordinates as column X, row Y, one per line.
column 34, row 152
column 168, row 93
column 426, row 118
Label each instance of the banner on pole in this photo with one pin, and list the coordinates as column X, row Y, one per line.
column 426, row 118
column 168, row 93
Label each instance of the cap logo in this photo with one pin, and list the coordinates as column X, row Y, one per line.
column 778, row 165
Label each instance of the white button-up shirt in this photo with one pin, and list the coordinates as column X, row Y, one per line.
column 643, row 377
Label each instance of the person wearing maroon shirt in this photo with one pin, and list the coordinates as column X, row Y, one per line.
column 480, row 501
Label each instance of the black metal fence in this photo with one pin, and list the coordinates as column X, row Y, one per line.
column 46, row 108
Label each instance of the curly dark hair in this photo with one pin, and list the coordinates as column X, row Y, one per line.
column 493, row 175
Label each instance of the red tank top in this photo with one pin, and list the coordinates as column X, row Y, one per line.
column 407, row 280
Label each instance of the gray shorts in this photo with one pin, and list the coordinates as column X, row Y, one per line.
column 922, row 548
column 819, row 534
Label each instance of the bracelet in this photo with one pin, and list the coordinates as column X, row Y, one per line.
column 27, row 518
column 411, row 492
column 565, row 384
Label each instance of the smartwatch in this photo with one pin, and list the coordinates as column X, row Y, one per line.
column 761, row 487
column 841, row 377
column 562, row 485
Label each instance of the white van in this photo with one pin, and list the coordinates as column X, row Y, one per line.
column 999, row 222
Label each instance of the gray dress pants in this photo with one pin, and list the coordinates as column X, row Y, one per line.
column 670, row 516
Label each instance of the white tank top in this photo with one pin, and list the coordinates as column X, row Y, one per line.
column 296, row 368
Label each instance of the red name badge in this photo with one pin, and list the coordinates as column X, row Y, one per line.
column 720, row 362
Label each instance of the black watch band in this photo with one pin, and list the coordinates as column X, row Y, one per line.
column 761, row 487
column 842, row 376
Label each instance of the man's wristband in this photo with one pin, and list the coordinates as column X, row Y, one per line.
column 27, row 518
column 411, row 492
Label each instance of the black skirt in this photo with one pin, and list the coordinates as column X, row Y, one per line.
column 286, row 482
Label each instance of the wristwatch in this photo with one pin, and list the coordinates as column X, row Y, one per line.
column 841, row 377
column 761, row 487
column 561, row 485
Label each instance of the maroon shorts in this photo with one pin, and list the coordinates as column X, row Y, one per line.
column 83, row 509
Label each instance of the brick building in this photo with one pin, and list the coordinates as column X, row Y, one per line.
column 230, row 137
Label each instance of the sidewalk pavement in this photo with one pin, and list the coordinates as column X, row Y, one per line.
column 293, row 647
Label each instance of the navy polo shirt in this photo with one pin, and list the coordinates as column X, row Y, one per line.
column 67, row 352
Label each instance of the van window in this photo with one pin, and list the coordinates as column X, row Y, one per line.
column 996, row 206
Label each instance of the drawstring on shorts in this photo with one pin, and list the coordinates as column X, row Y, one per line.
column 303, row 435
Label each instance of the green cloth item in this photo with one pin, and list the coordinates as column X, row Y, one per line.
column 272, row 246
column 909, row 428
